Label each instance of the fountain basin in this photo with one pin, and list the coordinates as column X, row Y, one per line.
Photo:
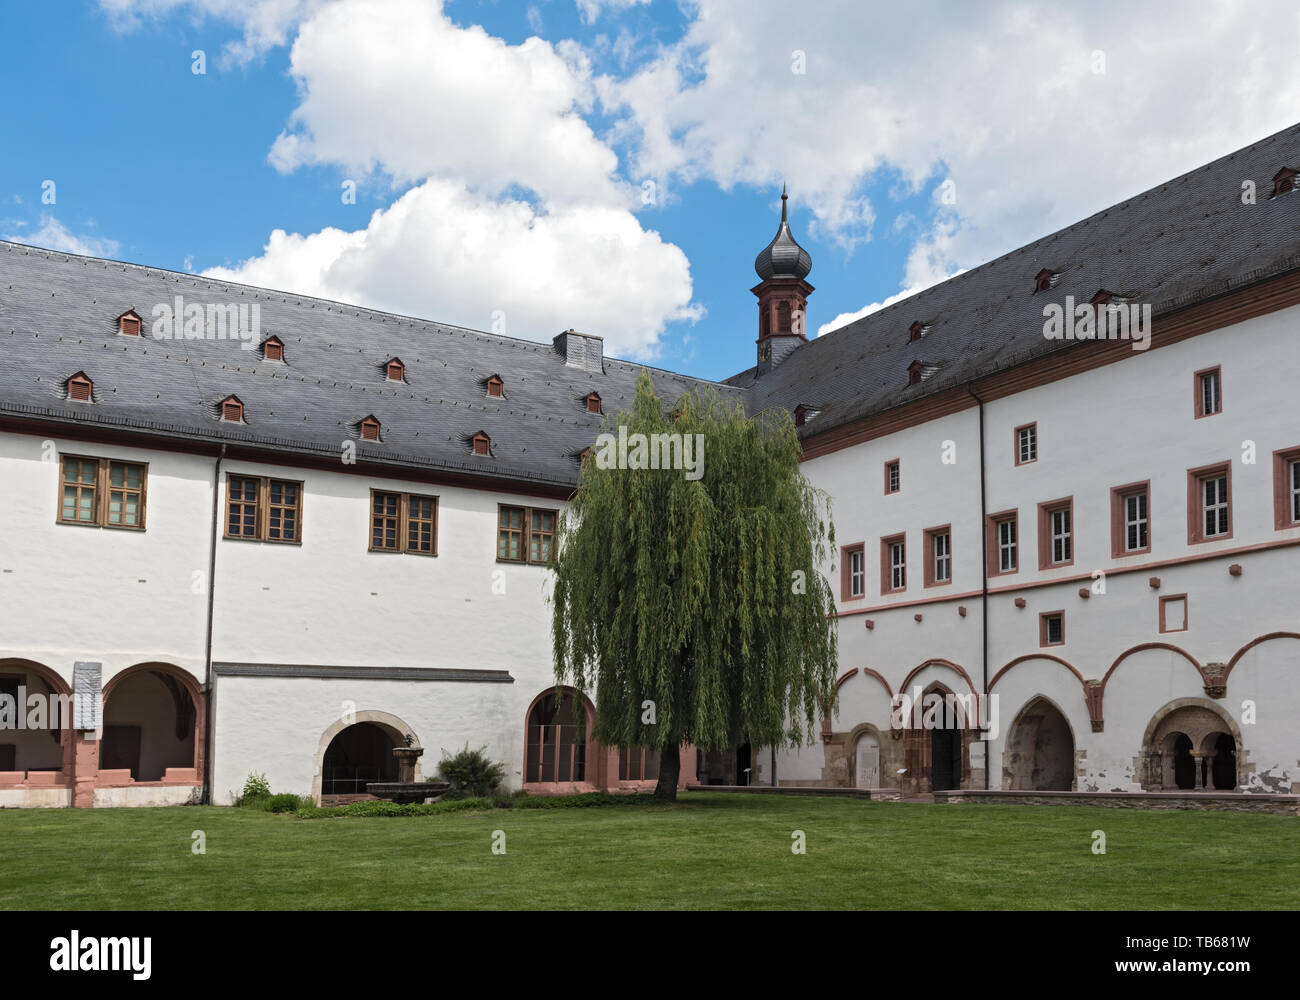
column 407, row 791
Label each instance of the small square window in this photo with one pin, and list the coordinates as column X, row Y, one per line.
column 1173, row 613
column 1051, row 628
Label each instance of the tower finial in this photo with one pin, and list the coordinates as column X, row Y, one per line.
column 784, row 196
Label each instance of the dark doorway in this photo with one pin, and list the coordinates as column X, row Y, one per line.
column 1224, row 770
column 1184, row 766
column 945, row 759
column 119, row 750
column 744, row 761
column 357, row 756
column 557, row 741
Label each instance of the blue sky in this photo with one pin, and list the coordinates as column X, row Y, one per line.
column 508, row 165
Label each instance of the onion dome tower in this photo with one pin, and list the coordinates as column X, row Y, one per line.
column 782, row 294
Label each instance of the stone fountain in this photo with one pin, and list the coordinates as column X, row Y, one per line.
column 406, row 788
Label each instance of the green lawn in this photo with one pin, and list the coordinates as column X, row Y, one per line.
column 708, row 851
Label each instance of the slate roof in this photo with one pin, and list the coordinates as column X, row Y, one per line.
column 1184, row 241
column 58, row 316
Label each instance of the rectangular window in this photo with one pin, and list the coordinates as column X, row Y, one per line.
column 1051, row 628
column 938, row 556
column 1286, row 489
column 638, row 764
column 1209, row 503
column 259, row 509
column 102, row 492
column 526, row 531
column 1173, row 613
column 853, row 572
column 1130, row 519
column 893, row 564
column 403, row 522
column 1056, row 533
column 1209, row 392
column 893, row 476
column 1026, row 444
column 1001, row 543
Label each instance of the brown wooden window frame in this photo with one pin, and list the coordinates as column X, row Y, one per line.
column 403, row 522
column 103, row 490
column 263, row 506
column 526, row 531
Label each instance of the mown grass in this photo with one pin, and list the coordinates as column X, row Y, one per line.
column 708, row 851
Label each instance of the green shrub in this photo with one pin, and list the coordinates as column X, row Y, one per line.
column 286, row 803
column 471, row 773
column 256, row 789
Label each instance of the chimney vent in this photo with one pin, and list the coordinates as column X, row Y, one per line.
column 582, row 350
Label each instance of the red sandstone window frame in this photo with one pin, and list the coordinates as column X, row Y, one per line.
column 1119, row 497
column 1198, row 391
column 1044, row 628
column 1196, row 479
column 888, row 570
column 930, row 555
column 993, row 541
column 264, row 507
column 1017, row 449
column 1164, row 621
column 102, row 489
column 1286, row 488
column 1047, row 533
column 896, row 464
column 847, row 553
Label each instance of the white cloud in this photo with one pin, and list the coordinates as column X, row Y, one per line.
column 266, row 24
column 1002, row 97
column 590, row 10
column 54, row 235
column 445, row 252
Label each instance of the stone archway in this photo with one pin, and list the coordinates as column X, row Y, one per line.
column 867, row 759
column 393, row 729
column 154, row 726
column 1039, row 754
column 1192, row 728
column 936, row 752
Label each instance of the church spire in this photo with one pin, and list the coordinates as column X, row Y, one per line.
column 782, row 293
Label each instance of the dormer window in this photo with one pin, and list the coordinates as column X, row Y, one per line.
column 1102, row 297
column 800, row 415
column 916, row 331
column 593, row 402
column 130, row 323
column 1043, row 280
column 481, row 443
column 273, row 349
column 495, row 387
column 369, row 429
column 395, row 371
column 80, row 388
column 1283, row 181
column 914, row 373
column 232, row 410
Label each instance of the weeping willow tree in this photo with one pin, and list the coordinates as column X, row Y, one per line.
column 690, row 599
